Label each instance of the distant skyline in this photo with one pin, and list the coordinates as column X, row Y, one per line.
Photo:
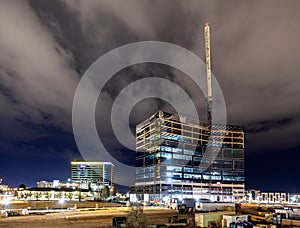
column 46, row 46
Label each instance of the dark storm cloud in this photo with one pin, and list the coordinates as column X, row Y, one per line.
column 45, row 46
column 267, row 125
column 35, row 69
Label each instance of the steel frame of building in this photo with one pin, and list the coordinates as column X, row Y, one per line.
column 163, row 126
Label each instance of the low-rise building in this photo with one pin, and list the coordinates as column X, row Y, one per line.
column 294, row 197
column 256, row 196
column 3, row 187
column 58, row 184
column 66, row 194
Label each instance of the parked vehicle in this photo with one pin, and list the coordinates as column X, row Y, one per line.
column 189, row 204
column 176, row 204
column 13, row 212
column 214, row 206
column 204, row 200
column 3, row 214
column 185, row 205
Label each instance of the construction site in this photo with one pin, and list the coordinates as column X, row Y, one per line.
column 170, row 189
column 183, row 214
column 170, row 149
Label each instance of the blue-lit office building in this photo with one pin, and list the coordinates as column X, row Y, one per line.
column 169, row 149
column 93, row 172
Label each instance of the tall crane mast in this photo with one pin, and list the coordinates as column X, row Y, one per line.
column 209, row 87
column 208, row 72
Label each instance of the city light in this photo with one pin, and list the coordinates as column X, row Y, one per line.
column 6, row 201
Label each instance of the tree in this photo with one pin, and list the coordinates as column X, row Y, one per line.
column 48, row 195
column 29, row 195
column 136, row 217
column 37, row 195
column 22, row 187
column 104, row 192
column 70, row 196
column 79, row 196
column 113, row 191
column 60, row 195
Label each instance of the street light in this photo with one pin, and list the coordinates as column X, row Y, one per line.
column 6, row 201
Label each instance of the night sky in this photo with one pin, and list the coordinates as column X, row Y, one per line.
column 47, row 45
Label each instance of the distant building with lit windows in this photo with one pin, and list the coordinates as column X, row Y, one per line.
column 257, row 196
column 57, row 184
column 3, row 187
column 169, row 149
column 93, row 172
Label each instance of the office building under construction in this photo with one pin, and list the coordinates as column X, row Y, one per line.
column 170, row 150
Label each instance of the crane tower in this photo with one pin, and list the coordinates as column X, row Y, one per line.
column 208, row 72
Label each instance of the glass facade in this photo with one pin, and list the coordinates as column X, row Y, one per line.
column 169, row 150
column 93, row 172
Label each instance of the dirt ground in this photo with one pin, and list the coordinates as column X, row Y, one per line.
column 91, row 219
column 19, row 204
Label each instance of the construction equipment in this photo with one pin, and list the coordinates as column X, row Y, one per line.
column 117, row 221
column 174, row 219
column 259, row 217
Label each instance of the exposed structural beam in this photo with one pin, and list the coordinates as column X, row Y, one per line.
column 208, row 72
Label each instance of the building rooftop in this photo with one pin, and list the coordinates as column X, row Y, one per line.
column 55, row 189
column 91, row 162
column 188, row 120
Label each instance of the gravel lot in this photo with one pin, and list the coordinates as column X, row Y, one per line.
column 99, row 218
